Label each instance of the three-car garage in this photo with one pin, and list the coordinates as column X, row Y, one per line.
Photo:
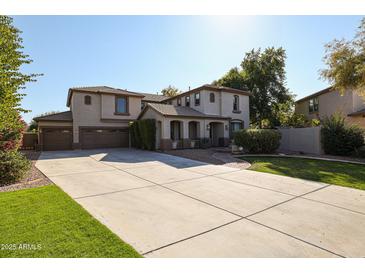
column 56, row 132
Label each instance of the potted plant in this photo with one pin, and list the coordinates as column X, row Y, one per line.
column 174, row 144
column 192, row 143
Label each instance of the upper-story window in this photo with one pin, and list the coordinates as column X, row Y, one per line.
column 236, row 103
column 143, row 104
column 313, row 104
column 179, row 101
column 212, row 97
column 187, row 101
column 87, row 100
column 197, row 99
column 121, row 105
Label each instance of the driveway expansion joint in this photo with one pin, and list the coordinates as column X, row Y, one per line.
column 294, row 237
column 193, row 236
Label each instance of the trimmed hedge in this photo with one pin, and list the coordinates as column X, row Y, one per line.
column 13, row 167
column 339, row 138
column 258, row 140
column 143, row 134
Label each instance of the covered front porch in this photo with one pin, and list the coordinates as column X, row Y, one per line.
column 192, row 133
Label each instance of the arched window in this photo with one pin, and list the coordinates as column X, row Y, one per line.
column 212, row 97
column 87, row 100
column 236, row 103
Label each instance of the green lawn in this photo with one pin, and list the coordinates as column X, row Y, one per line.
column 48, row 217
column 337, row 173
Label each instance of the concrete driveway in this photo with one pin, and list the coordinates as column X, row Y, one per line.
column 166, row 206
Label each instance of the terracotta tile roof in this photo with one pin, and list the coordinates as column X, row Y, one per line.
column 178, row 111
column 149, row 97
column 61, row 117
column 212, row 88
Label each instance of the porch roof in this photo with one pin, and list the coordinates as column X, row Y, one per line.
column 179, row 111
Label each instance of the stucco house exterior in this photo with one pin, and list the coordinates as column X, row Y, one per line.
column 99, row 117
column 328, row 101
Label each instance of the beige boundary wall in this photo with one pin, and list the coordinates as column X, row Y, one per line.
column 305, row 140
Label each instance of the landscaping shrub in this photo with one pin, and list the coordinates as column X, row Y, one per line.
column 258, row 140
column 143, row 134
column 11, row 135
column 360, row 152
column 339, row 138
column 13, row 167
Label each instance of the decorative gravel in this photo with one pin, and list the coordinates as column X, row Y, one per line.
column 34, row 178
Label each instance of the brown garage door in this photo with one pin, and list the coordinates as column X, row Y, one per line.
column 57, row 138
column 104, row 138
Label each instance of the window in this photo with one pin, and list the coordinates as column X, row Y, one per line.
column 87, row 100
column 313, row 104
column 236, row 125
column 121, row 105
column 236, row 103
column 197, row 99
column 212, row 97
column 187, row 101
column 179, row 101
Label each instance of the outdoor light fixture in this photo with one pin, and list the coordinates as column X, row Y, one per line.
column 208, row 126
column 226, row 127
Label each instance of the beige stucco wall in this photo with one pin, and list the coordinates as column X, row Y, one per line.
column 306, row 140
column 91, row 115
column 222, row 106
column 166, row 122
column 108, row 107
column 244, row 107
column 332, row 102
column 329, row 103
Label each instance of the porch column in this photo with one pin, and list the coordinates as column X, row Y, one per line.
column 185, row 134
column 166, row 143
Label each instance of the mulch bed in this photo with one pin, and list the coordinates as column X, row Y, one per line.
column 34, row 178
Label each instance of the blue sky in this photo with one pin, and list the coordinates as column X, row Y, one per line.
column 148, row 53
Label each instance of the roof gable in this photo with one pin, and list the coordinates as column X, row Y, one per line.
column 101, row 90
column 211, row 88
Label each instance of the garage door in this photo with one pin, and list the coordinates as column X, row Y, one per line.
column 57, row 138
column 104, row 138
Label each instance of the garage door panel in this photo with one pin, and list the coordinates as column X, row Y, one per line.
column 104, row 138
column 57, row 139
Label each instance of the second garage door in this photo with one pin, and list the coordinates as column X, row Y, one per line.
column 104, row 138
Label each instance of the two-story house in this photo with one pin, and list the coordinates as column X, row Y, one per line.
column 99, row 117
column 326, row 102
column 207, row 114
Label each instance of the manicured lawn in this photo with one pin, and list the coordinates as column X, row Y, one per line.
column 48, row 217
column 337, row 173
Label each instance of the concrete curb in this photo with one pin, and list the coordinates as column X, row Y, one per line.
column 299, row 156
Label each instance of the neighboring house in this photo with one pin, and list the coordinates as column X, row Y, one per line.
column 328, row 101
column 99, row 117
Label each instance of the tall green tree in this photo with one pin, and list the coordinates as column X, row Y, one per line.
column 345, row 62
column 12, row 81
column 170, row 91
column 263, row 74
